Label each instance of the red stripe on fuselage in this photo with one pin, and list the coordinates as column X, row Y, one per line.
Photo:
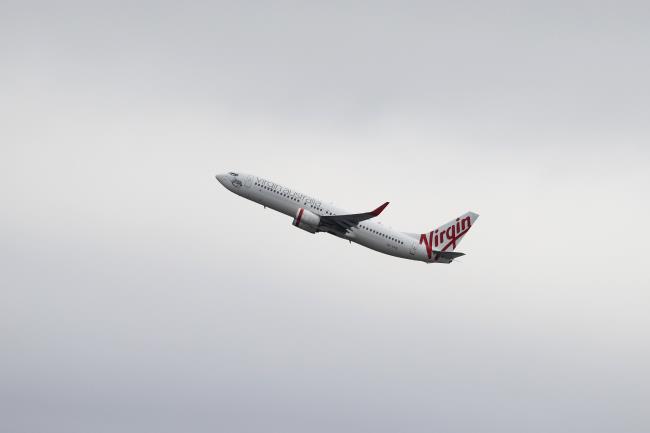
column 299, row 216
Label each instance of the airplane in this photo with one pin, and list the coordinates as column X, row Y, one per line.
column 313, row 216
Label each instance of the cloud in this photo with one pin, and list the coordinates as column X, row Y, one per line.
column 140, row 294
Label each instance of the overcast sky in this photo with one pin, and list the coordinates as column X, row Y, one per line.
column 137, row 294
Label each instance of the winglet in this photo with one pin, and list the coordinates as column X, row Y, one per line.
column 377, row 211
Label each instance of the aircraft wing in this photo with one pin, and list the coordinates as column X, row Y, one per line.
column 342, row 223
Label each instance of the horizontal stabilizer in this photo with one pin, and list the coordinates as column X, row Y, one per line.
column 444, row 256
column 448, row 254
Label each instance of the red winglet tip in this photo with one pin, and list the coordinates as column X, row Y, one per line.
column 379, row 209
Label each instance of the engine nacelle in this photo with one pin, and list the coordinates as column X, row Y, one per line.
column 306, row 220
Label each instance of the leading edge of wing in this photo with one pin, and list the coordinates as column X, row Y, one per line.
column 344, row 222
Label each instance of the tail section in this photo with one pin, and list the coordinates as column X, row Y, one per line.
column 445, row 239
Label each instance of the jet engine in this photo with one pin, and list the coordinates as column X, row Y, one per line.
column 306, row 220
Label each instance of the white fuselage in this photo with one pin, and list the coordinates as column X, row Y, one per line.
column 370, row 233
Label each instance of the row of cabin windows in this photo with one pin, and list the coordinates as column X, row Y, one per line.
column 274, row 191
column 316, row 208
column 288, row 196
column 381, row 234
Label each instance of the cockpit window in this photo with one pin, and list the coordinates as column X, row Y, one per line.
column 232, row 173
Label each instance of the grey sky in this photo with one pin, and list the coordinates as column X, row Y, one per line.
column 137, row 294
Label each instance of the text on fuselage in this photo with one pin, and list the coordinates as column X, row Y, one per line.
column 305, row 199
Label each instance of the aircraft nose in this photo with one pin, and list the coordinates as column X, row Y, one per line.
column 221, row 178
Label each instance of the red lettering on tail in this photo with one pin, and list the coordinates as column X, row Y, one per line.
column 452, row 234
column 428, row 243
